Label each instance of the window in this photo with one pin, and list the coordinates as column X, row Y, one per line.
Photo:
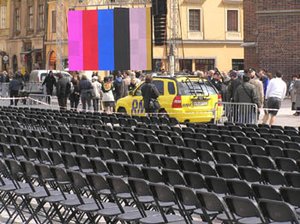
column 41, row 17
column 160, row 86
column 171, row 88
column 3, row 17
column 232, row 20
column 53, row 21
column 238, row 64
column 30, row 17
column 189, row 88
column 18, row 20
column 204, row 64
column 185, row 65
column 194, row 20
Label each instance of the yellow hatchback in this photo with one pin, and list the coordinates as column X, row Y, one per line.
column 186, row 98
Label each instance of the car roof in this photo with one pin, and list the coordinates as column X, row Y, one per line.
column 179, row 77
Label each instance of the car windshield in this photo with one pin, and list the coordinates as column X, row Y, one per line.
column 196, row 87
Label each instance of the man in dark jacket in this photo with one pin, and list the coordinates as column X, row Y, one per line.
column 63, row 87
column 50, row 82
column 233, row 85
column 150, row 93
column 247, row 93
column 15, row 86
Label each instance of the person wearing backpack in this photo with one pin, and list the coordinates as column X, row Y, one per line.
column 75, row 94
column 150, row 94
column 63, row 88
column 247, row 93
column 86, row 92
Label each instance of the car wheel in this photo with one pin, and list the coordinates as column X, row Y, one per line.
column 122, row 110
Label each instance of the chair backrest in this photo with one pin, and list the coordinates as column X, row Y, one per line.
column 163, row 193
column 266, row 192
column 293, row 178
column 291, row 195
column 243, row 207
column 240, row 188
column 210, row 202
column 250, row 174
column 195, row 180
column 278, row 211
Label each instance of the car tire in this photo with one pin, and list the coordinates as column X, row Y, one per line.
column 122, row 110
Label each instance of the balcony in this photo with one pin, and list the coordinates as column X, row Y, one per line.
column 193, row 1
column 233, row 1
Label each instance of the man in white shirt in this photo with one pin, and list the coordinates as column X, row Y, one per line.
column 276, row 91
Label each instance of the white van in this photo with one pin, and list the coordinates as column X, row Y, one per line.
column 36, row 80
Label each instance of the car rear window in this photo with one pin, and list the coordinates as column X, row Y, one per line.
column 196, row 87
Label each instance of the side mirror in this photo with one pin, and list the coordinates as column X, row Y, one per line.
column 130, row 93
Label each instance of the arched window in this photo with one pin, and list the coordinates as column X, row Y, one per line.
column 15, row 63
column 52, row 60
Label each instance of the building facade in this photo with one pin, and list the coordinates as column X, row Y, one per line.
column 27, row 34
column 210, row 35
column 272, row 32
column 4, row 32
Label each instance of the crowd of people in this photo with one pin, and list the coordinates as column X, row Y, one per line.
column 95, row 94
column 260, row 87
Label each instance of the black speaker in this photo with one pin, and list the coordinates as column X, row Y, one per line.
column 160, row 32
column 159, row 7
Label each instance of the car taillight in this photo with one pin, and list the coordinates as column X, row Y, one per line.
column 177, row 102
column 219, row 99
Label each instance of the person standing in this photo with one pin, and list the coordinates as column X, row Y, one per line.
column 50, row 82
column 75, row 95
column 297, row 96
column 63, row 88
column 254, row 80
column 15, row 85
column 246, row 93
column 108, row 96
column 97, row 88
column 292, row 92
column 149, row 93
column 86, row 92
column 276, row 91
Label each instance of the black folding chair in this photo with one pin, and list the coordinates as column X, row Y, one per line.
column 278, row 211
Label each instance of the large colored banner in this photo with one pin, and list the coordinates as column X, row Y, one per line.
column 112, row 39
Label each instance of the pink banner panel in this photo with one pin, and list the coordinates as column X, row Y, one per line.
column 138, row 36
column 75, row 41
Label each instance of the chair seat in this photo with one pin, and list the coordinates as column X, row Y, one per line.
column 59, row 198
column 158, row 219
column 76, row 202
column 42, row 194
column 23, row 191
column 115, row 211
column 146, row 199
column 250, row 220
column 88, row 207
column 135, row 215
column 8, row 187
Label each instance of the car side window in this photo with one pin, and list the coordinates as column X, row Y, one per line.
column 171, row 88
column 138, row 91
column 160, row 86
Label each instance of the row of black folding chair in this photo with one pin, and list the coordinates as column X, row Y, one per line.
column 212, row 177
column 89, row 204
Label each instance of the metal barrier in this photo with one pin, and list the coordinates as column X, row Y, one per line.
column 246, row 113
column 25, row 102
column 30, row 87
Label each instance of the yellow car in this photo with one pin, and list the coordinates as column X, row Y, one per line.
column 186, row 98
